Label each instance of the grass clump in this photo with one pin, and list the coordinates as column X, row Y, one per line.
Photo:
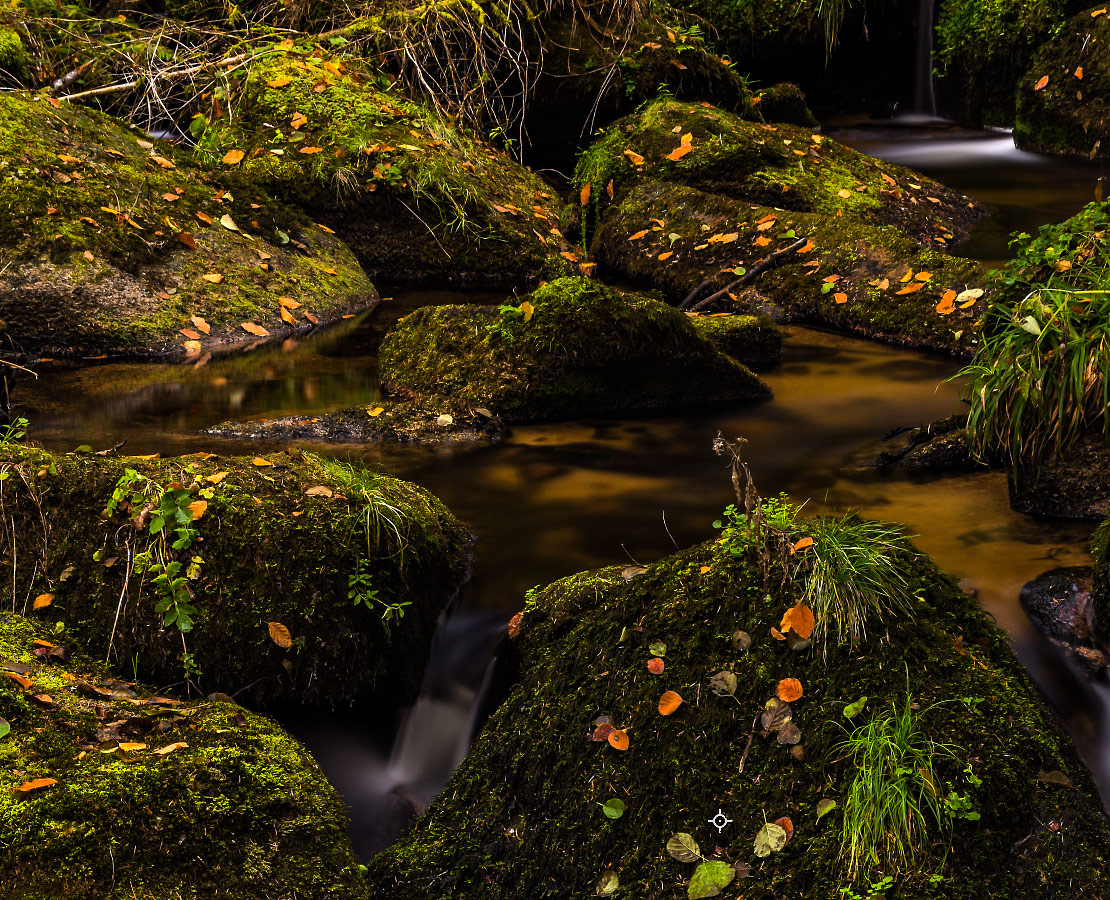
column 1039, row 380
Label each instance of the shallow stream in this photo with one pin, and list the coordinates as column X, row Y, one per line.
column 559, row 498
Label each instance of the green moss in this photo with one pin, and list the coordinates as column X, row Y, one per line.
column 585, row 349
column 13, row 56
column 521, row 816
column 1069, row 115
column 785, row 102
column 755, row 341
column 417, row 197
column 97, row 233
column 271, row 553
column 984, row 48
column 236, row 809
column 1100, row 592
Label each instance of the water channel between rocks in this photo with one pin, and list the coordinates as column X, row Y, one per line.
column 559, row 498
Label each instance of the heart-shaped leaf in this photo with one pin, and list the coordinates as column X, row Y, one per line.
column 614, row 808
column 657, row 648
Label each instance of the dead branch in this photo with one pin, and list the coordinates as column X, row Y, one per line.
column 768, row 262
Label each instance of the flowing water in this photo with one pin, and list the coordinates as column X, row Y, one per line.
column 555, row 499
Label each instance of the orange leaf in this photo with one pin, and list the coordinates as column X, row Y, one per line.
column 200, row 324
column 297, row 121
column 634, row 157
column 280, row 635
column 205, row 218
column 279, row 82
column 844, row 193
column 169, row 748
column 188, row 240
column 190, row 334
column 911, row 288
column 212, row 278
column 609, row 189
column 602, row 732
column 786, row 825
column 43, row 600
column 233, row 157
column 655, row 666
column 678, row 152
column 36, row 785
column 131, row 746
column 287, row 316
column 1079, row 72
column 762, row 241
column 777, row 635
column 252, row 328
column 308, row 151
column 1042, row 84
column 946, row 306
column 619, row 739
column 164, row 163
column 798, row 619
column 289, row 303
column 665, row 255
column 24, row 683
column 669, row 702
column 311, row 318
column 789, row 690
column 584, row 194
column 840, row 297
column 198, row 508
column 923, row 276
column 192, row 346
column 638, row 235
column 802, row 544
column 261, row 461
column 514, row 624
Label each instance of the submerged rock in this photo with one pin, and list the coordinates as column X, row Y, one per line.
column 113, row 244
column 107, row 790
column 290, row 577
column 699, row 197
column 939, row 446
column 523, row 815
column 571, row 348
column 1062, row 100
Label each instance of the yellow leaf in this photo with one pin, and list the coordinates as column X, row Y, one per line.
column 375, row 412
column 198, row 508
column 200, row 324
column 287, row 316
column 192, row 346
column 252, row 328
column 233, row 157
column 907, row 277
column 634, row 157
column 43, row 600
column 844, row 194
column 72, row 160
column 215, row 477
column 261, row 461
column 279, row 82
column 169, row 748
column 528, row 309
column 212, row 278
column 164, row 163
column 280, row 635
column 131, row 746
column 289, row 303
column 228, row 222
column 297, row 121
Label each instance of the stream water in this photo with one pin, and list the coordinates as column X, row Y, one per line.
column 558, row 498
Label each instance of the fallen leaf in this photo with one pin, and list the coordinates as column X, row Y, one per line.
column 43, row 600
column 287, row 316
column 280, row 635
column 1041, row 84
column 824, row 807
column 923, row 276
column 375, row 412
column 308, row 151
column 228, row 222
column 789, row 734
column 36, row 785
column 776, row 713
column 170, row 748
column 584, row 194
column 252, row 328
column 514, row 624
column 665, row 255
column 723, row 683
column 216, row 477
column 298, row 120
column 638, row 235
column 710, row 878
column 655, row 666
column 204, row 217
column 855, row 708
column 844, row 194
column 789, row 689
column 618, row 739
column 770, row 839
column 198, row 508
column 799, row 619
column 786, row 825
column 200, row 324
column 911, row 288
column 602, row 732
column 279, row 82
column 212, row 278
column 669, row 702
column 840, row 297
column 444, row 420
column 187, row 239
column 131, row 746
column 608, row 883
column 968, row 297
column 678, row 152
column 261, row 461
column 634, row 157
column 802, row 544
column 163, row 163
column 683, row 847
column 233, row 157
column 1079, row 72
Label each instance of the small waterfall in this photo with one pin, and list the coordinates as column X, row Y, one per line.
column 924, row 100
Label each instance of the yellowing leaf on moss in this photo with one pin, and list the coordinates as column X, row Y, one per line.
column 43, row 600
column 279, row 82
column 308, row 151
column 170, row 748
column 1041, row 84
column 198, row 508
column 634, row 157
column 233, row 157
column 669, row 702
column 280, row 635
column 680, row 151
column 528, row 309
column 164, row 163
column 375, row 412
column 299, row 119
column 36, row 785
column 252, row 328
column 799, row 619
column 212, row 277
column 215, row 477
column 840, row 297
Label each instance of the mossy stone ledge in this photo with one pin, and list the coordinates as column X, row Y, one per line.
column 113, row 244
column 145, row 797
column 571, row 348
column 523, row 815
column 698, row 194
column 291, row 540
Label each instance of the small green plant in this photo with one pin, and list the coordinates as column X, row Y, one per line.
column 12, row 433
column 893, row 802
column 1040, row 379
column 501, row 328
column 361, row 591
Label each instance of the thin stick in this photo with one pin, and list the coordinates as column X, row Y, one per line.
column 119, row 606
column 768, row 262
column 748, row 746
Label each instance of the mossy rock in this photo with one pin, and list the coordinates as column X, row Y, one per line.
column 744, row 190
column 13, row 55
column 983, row 49
column 281, row 540
column 755, row 341
column 387, row 421
column 419, row 200
column 1068, row 115
column 522, row 815
column 113, row 243
column 578, row 349
column 785, row 102
column 1100, row 590
column 151, row 797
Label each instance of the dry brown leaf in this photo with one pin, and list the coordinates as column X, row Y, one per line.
column 514, row 624
column 280, row 635
column 319, row 490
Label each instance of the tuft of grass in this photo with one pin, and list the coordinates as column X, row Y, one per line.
column 1040, row 380
column 893, row 803
column 853, row 574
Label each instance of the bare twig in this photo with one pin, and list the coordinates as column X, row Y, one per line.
column 768, row 262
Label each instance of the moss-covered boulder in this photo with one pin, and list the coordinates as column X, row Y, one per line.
column 13, row 55
column 755, row 341
column 1062, row 105
column 1100, row 589
column 113, row 243
column 785, row 102
column 571, row 348
column 683, row 197
column 288, row 577
column 523, row 815
column 418, row 199
column 108, row 791
column 983, row 49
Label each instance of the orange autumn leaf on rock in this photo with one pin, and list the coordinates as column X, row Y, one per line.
column 802, row 544
column 789, row 690
column 840, row 297
column 201, row 324
column 252, row 328
column 287, row 316
column 584, row 194
column 669, row 702
column 280, row 635
column 36, row 785
column 638, row 235
column 912, row 288
column 299, row 119
column 233, row 157
column 618, row 739
column 43, row 600
column 212, row 277
column 946, row 305
column 634, row 157
column 279, row 82
column 665, row 255
column 798, row 619
column 514, row 624
column 1042, row 84
column 655, row 666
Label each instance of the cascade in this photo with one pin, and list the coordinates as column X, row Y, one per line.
column 924, row 100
